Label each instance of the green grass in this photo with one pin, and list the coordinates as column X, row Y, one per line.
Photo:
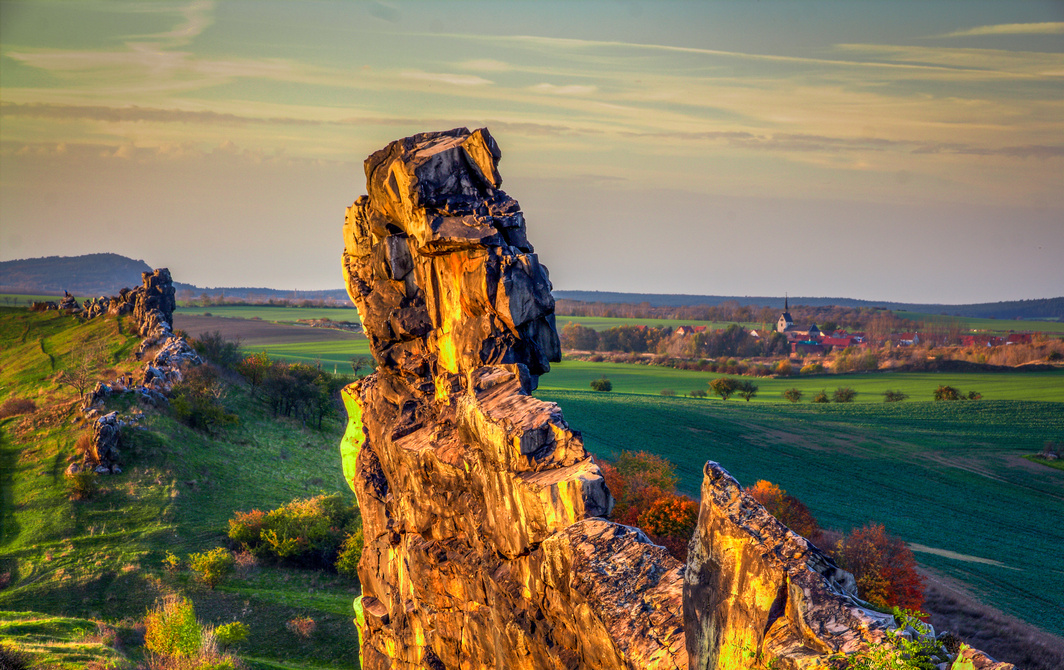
column 604, row 322
column 573, row 375
column 993, row 326
column 21, row 300
column 61, row 642
column 944, row 475
column 101, row 558
column 1034, row 458
column 332, row 354
column 275, row 313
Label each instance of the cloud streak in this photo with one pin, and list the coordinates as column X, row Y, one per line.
column 1045, row 28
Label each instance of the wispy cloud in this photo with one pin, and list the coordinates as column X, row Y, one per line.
column 485, row 65
column 135, row 113
column 1046, row 28
column 446, row 78
column 570, row 89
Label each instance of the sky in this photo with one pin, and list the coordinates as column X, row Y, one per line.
column 906, row 151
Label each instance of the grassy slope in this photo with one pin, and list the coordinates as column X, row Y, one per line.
column 101, row 558
column 946, row 476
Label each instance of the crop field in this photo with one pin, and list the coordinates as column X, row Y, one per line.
column 948, row 478
column 275, row 313
column 993, row 326
column 604, row 322
column 651, row 380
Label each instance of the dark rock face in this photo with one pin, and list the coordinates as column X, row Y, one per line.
column 478, row 500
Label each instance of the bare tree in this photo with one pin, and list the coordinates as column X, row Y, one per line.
column 81, row 374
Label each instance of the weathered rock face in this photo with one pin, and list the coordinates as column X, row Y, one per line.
column 483, row 542
column 478, row 500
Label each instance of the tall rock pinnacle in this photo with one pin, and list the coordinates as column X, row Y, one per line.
column 483, row 514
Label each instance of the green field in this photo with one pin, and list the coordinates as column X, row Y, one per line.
column 604, row 322
column 275, row 313
column 330, row 354
column 652, row 379
column 947, row 476
column 993, row 326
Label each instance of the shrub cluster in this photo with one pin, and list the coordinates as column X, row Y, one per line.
column 175, row 639
column 306, row 532
column 644, row 488
column 197, row 400
column 16, row 406
column 790, row 511
column 950, row 393
column 601, row 384
column 216, row 349
column 298, row 390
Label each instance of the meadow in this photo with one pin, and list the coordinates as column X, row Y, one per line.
column 991, row 326
column 275, row 313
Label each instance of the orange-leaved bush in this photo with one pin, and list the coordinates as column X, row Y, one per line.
column 883, row 566
column 789, row 510
column 644, row 488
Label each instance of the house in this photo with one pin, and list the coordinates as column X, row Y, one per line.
column 837, row 342
column 1019, row 338
column 807, row 347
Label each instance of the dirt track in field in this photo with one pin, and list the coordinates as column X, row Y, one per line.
column 254, row 333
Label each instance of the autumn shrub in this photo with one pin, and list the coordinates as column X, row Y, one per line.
column 792, row 394
column 171, row 629
column 894, row 396
column 16, row 406
column 212, row 567
column 811, row 369
column 306, row 532
column 724, row 387
column 644, row 488
column 668, row 393
column 883, row 566
column 698, row 393
column 790, row 511
column 821, row 397
column 303, row 626
column 13, row 659
column 82, row 485
column 171, row 562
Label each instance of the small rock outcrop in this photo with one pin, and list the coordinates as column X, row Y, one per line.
column 486, row 542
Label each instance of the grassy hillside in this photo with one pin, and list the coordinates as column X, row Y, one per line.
column 101, row 559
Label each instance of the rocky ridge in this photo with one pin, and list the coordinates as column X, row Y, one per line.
column 483, row 514
column 152, row 307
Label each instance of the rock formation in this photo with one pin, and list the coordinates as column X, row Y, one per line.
column 485, row 542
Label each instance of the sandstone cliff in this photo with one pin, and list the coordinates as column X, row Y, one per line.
column 485, row 545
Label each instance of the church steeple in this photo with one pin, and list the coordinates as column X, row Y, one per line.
column 785, row 307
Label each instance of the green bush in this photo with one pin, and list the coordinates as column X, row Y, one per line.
column 197, row 401
column 350, row 554
column 844, row 394
column 82, row 485
column 944, row 392
column 305, row 532
column 170, row 629
column 601, row 384
column 215, row 348
column 212, row 566
column 894, row 396
column 231, row 633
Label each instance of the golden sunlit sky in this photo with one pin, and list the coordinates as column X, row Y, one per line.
column 906, row 151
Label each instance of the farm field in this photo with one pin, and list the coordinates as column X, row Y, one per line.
column 275, row 313
column 992, row 326
column 604, row 322
column 949, row 478
column 651, row 380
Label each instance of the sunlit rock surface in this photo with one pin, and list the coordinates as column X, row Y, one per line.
column 479, row 502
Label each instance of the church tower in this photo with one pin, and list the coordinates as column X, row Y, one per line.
column 785, row 321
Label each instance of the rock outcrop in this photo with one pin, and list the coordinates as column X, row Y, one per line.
column 479, row 502
column 483, row 514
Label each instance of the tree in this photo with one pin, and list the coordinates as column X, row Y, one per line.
column 359, row 363
column 254, row 369
column 81, row 374
column 212, row 566
column 844, row 394
column 698, row 393
column 579, row 337
column 894, row 396
column 821, row 397
column 724, row 387
column 601, row 384
column 792, row 394
column 747, row 390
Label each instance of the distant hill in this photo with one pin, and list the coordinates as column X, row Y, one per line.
column 106, row 274
column 1039, row 309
